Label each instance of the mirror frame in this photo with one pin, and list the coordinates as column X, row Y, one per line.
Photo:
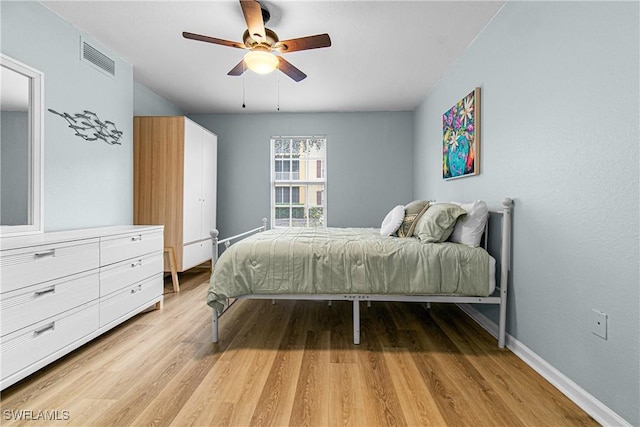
column 36, row 148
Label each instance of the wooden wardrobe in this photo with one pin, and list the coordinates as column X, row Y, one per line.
column 174, row 184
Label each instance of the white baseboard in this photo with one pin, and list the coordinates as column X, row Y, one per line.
column 592, row 406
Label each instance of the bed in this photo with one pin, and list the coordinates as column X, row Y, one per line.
column 424, row 252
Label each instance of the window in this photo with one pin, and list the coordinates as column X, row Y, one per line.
column 286, row 195
column 298, row 181
column 287, row 169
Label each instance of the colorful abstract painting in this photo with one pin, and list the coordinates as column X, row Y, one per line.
column 461, row 138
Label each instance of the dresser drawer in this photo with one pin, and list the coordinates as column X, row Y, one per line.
column 27, row 346
column 124, row 246
column 33, row 304
column 125, row 273
column 134, row 297
column 29, row 266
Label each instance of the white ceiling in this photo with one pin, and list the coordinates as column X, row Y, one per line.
column 385, row 55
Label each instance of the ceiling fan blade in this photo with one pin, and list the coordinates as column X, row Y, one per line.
column 213, row 40
column 253, row 16
column 303, row 43
column 238, row 69
column 291, row 71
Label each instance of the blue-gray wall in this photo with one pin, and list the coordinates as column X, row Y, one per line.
column 148, row 103
column 560, row 125
column 369, row 164
column 86, row 183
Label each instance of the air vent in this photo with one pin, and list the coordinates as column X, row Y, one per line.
column 97, row 59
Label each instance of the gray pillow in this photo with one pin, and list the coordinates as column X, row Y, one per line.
column 412, row 213
column 437, row 223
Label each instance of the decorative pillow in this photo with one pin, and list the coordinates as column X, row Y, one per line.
column 412, row 213
column 437, row 223
column 392, row 221
column 469, row 230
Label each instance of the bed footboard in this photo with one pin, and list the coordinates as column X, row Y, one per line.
column 215, row 242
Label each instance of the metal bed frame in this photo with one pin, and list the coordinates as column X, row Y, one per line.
column 499, row 297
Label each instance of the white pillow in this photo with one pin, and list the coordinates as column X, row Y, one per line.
column 469, row 228
column 392, row 221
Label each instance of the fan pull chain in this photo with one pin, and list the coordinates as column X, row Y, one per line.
column 278, row 85
column 243, row 70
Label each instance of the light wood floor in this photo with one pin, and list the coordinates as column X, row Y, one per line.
column 292, row 363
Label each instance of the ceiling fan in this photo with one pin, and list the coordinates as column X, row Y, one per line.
column 263, row 42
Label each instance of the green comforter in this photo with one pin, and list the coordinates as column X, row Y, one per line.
column 346, row 261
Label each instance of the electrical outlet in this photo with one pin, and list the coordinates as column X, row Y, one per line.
column 599, row 323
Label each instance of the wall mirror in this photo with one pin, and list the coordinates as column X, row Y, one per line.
column 21, row 145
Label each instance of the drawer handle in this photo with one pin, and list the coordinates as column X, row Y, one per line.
column 51, row 290
column 47, row 328
column 48, row 253
column 133, row 291
column 136, row 238
column 136, row 264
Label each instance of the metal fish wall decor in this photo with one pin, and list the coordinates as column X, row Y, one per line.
column 89, row 127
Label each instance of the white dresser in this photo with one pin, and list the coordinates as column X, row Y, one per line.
column 60, row 290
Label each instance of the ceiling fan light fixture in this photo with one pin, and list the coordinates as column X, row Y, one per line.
column 261, row 62
column 262, row 43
